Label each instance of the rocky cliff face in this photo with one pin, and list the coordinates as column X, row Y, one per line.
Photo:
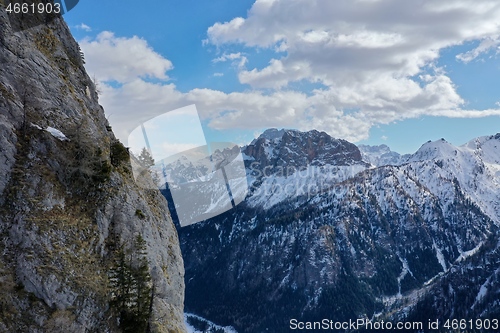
column 68, row 201
column 293, row 150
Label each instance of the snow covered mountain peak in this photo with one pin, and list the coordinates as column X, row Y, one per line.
column 381, row 155
column 412, row 233
column 434, row 150
column 473, row 154
column 475, row 166
column 295, row 149
column 283, row 164
column 271, row 134
column 486, row 146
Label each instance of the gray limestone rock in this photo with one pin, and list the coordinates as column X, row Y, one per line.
column 67, row 205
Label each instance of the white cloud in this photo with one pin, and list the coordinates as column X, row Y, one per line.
column 366, row 54
column 121, row 59
column 139, row 101
column 83, row 27
column 233, row 57
column 170, row 149
column 485, row 46
column 275, row 75
column 226, row 57
column 218, row 74
column 374, row 59
column 225, row 29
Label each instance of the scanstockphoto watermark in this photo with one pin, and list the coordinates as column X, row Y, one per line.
column 446, row 325
column 204, row 178
column 207, row 178
column 358, row 324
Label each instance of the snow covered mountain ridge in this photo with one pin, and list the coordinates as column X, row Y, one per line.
column 381, row 155
column 283, row 164
column 311, row 162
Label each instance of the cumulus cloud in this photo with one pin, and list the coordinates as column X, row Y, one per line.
column 368, row 54
column 485, row 46
column 371, row 62
column 83, row 27
column 276, row 75
column 242, row 60
column 122, row 59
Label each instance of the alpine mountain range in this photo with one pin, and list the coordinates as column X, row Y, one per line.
column 334, row 230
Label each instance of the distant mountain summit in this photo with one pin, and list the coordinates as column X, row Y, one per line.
column 297, row 150
column 284, row 164
column 381, row 155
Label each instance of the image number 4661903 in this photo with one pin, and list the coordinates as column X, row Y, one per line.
column 26, row 14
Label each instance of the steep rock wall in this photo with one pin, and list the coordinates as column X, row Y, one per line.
column 68, row 205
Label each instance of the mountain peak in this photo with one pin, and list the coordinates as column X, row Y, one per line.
column 381, row 155
column 272, row 133
column 434, row 150
column 297, row 150
column 277, row 134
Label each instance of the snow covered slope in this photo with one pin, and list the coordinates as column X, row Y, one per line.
column 324, row 233
column 285, row 164
column 475, row 166
column 197, row 324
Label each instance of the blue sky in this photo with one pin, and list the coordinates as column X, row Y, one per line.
column 369, row 71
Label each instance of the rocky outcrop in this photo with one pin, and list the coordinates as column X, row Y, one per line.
column 68, row 200
column 292, row 150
